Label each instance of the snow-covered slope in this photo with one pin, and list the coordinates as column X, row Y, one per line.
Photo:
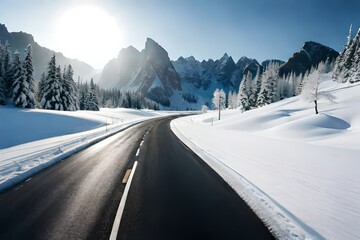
column 31, row 140
column 299, row 171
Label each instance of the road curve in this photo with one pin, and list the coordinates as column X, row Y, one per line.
column 176, row 195
column 173, row 195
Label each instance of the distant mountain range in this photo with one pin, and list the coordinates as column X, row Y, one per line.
column 184, row 83
column 189, row 83
column 41, row 55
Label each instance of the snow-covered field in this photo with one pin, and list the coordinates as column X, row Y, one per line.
column 299, row 171
column 32, row 139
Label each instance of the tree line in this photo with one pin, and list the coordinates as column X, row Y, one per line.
column 268, row 86
column 57, row 90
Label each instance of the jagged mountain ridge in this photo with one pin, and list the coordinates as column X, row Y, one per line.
column 189, row 83
column 185, row 82
column 311, row 54
column 41, row 55
column 149, row 72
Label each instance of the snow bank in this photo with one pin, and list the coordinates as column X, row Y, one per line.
column 46, row 137
column 297, row 170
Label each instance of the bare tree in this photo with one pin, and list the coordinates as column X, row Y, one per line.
column 219, row 100
column 310, row 91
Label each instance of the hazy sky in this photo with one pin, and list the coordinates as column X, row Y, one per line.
column 259, row 29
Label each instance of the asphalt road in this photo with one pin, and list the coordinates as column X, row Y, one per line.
column 173, row 195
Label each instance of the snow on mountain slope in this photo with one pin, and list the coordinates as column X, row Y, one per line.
column 299, row 171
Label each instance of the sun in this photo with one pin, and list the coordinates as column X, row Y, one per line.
column 89, row 34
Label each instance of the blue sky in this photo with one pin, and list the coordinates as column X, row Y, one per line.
column 260, row 29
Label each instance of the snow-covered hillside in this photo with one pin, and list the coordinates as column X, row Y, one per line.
column 32, row 139
column 299, row 171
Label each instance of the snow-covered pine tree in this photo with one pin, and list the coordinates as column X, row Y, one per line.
column 256, row 87
column 29, row 76
column 349, row 59
column 22, row 96
column 41, row 87
column 298, row 82
column 82, row 100
column 93, row 102
column 291, row 85
column 281, row 87
column 346, row 66
column 28, row 68
column 269, row 85
column 70, row 95
column 356, row 59
column 339, row 62
column 52, row 98
column 232, row 100
column 245, row 92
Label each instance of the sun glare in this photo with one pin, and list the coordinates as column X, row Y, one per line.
column 89, row 34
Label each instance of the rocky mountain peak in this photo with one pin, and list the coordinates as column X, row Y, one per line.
column 129, row 51
column 155, row 53
column 225, row 56
column 311, row 54
column 3, row 30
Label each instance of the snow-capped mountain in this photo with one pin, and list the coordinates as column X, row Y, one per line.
column 156, row 77
column 118, row 71
column 149, row 72
column 41, row 55
column 311, row 54
column 200, row 79
column 188, row 83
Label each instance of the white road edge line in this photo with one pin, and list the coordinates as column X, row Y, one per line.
column 116, row 225
column 137, row 152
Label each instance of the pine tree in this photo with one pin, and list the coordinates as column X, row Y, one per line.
column 245, row 92
column 22, row 96
column 339, row 63
column 28, row 68
column 347, row 64
column 29, row 76
column 232, row 100
column 83, row 100
column 269, row 78
column 69, row 90
column 41, row 87
column 354, row 72
column 256, row 87
column 93, row 102
column 349, row 57
column 52, row 98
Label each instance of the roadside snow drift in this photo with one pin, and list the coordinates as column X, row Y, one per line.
column 300, row 172
column 33, row 139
